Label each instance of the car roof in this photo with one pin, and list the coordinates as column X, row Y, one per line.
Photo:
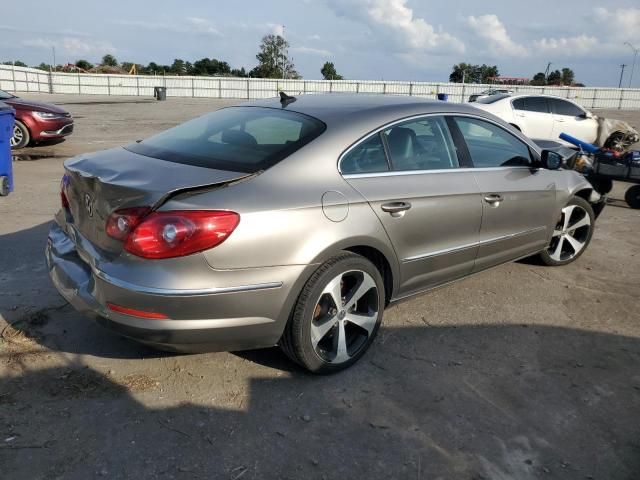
column 335, row 108
column 519, row 95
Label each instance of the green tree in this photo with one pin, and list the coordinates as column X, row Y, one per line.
column 44, row 66
column 153, row 69
column 539, row 79
column 468, row 73
column 211, row 66
column 567, row 76
column 273, row 59
column 460, row 72
column 84, row 65
column 235, row 72
column 17, row 63
column 109, row 60
column 178, row 67
column 554, row 78
column 329, row 72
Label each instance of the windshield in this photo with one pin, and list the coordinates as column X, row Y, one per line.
column 5, row 96
column 493, row 98
column 239, row 139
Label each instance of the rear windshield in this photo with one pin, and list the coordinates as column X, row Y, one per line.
column 239, row 139
column 493, row 98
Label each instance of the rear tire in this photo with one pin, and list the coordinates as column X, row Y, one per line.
column 21, row 136
column 632, row 197
column 572, row 234
column 325, row 335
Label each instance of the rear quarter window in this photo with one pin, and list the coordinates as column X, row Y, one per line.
column 242, row 139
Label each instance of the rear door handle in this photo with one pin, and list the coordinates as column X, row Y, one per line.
column 493, row 199
column 396, row 209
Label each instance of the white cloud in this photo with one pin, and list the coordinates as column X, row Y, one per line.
column 71, row 45
column 192, row 25
column 311, row 51
column 278, row 30
column 623, row 24
column 202, row 25
column 491, row 29
column 568, row 46
column 399, row 24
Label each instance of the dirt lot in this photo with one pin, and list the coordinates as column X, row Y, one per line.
column 521, row 372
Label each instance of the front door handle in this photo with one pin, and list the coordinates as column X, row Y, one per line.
column 493, row 199
column 396, row 209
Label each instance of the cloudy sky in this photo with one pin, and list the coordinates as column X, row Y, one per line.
column 366, row 39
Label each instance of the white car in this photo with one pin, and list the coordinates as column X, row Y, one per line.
column 543, row 117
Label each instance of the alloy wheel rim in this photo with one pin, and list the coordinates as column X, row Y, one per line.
column 17, row 136
column 571, row 234
column 345, row 316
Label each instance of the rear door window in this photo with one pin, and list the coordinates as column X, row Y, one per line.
column 423, row 144
column 531, row 104
column 491, row 146
column 241, row 139
column 562, row 107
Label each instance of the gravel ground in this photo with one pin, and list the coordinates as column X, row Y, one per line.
column 519, row 372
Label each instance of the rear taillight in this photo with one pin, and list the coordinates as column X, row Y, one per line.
column 122, row 222
column 171, row 234
column 63, row 196
column 64, row 200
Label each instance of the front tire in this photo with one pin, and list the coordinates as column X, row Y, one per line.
column 572, row 234
column 337, row 315
column 21, row 136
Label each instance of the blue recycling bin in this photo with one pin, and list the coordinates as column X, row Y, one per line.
column 7, row 119
column 444, row 97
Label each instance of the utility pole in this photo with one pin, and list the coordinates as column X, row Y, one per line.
column 621, row 74
column 53, row 48
column 633, row 65
column 283, row 52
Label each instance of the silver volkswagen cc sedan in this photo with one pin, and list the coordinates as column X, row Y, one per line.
column 296, row 222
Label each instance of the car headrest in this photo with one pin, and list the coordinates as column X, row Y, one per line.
column 401, row 142
column 238, row 137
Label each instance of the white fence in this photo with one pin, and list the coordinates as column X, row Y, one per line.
column 19, row 79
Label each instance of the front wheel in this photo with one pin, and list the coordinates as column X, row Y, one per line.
column 337, row 315
column 572, row 234
column 21, row 137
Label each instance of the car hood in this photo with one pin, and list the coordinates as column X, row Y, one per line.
column 23, row 104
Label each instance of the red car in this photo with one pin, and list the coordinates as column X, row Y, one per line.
column 37, row 121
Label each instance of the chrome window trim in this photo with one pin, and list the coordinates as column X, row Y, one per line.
column 471, row 245
column 423, row 172
column 183, row 292
column 527, row 142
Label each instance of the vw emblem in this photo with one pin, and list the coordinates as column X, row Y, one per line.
column 88, row 204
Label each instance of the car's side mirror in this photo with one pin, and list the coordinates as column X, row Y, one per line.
column 586, row 115
column 551, row 160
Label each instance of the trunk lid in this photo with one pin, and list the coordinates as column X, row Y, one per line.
column 98, row 184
